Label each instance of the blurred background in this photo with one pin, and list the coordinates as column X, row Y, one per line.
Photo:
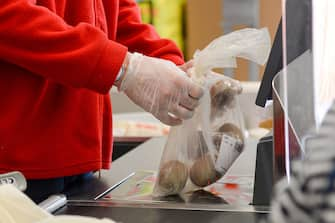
column 193, row 24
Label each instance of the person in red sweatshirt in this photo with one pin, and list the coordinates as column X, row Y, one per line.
column 58, row 61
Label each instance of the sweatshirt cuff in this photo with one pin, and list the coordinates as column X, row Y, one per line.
column 107, row 68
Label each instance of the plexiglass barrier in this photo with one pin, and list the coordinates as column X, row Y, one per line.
column 293, row 87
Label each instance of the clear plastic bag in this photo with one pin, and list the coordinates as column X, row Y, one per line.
column 201, row 150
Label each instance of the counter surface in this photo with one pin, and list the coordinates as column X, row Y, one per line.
column 147, row 157
column 148, row 215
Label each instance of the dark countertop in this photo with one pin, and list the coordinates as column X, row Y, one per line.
column 145, row 215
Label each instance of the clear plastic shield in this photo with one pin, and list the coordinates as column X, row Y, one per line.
column 324, row 56
column 293, row 87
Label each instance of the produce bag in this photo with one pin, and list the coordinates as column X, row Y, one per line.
column 201, row 150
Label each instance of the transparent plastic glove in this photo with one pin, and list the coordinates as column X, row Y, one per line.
column 161, row 88
column 187, row 66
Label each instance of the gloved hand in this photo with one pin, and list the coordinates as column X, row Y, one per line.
column 187, row 66
column 161, row 88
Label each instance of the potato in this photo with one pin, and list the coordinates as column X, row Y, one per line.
column 233, row 131
column 221, row 94
column 172, row 177
column 203, row 172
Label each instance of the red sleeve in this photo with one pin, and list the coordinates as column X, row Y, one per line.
column 142, row 37
column 39, row 41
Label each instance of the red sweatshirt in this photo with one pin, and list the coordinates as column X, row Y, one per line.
column 58, row 60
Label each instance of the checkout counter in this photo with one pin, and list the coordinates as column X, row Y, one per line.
column 97, row 199
column 113, row 193
column 102, row 197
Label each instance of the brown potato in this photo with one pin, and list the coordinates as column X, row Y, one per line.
column 221, row 95
column 172, row 177
column 203, row 172
column 233, row 131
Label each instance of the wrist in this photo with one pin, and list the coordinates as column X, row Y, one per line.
column 123, row 70
column 130, row 74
